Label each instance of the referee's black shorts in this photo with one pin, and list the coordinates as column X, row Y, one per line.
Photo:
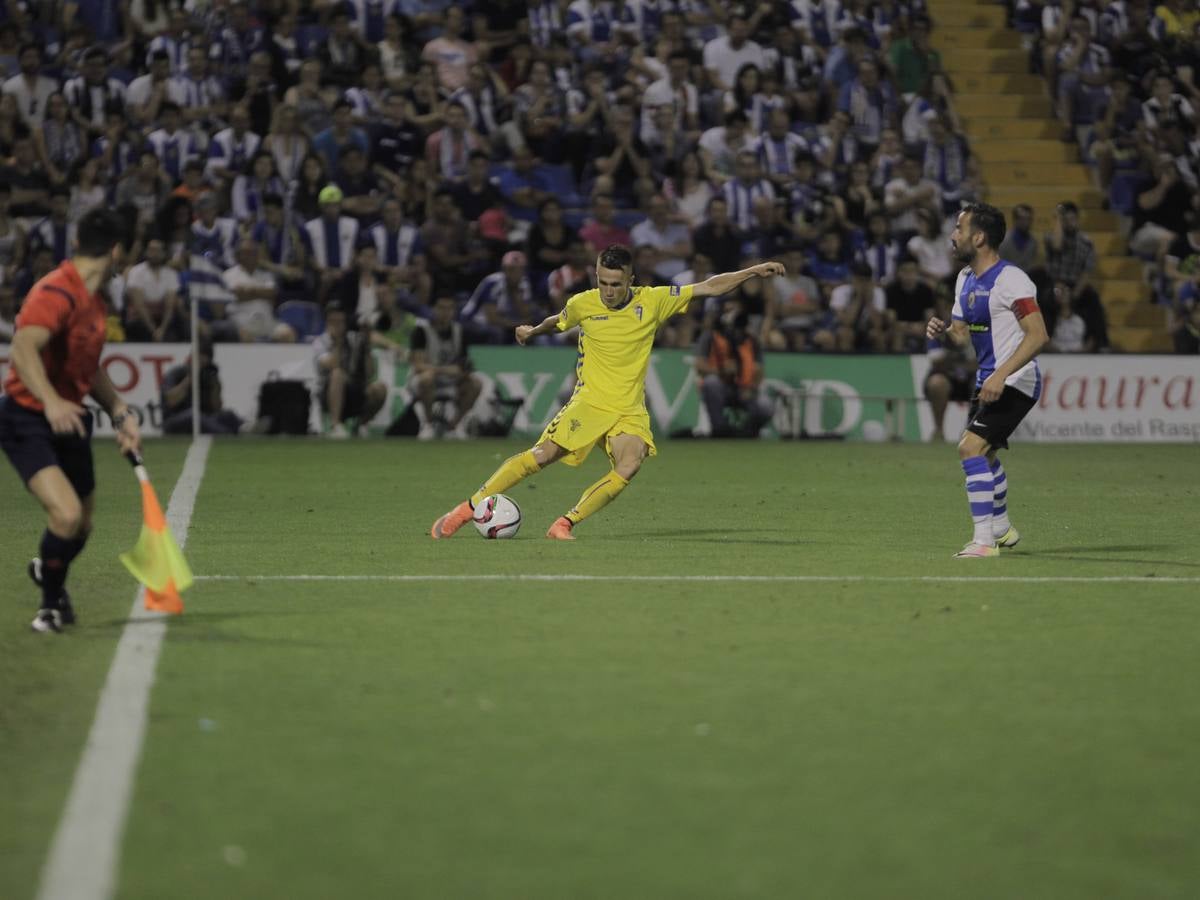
column 995, row 422
column 30, row 445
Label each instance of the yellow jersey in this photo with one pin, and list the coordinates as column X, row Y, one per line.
column 615, row 344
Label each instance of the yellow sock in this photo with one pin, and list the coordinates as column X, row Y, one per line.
column 512, row 471
column 598, row 496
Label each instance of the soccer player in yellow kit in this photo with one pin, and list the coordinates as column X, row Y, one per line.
column 617, row 324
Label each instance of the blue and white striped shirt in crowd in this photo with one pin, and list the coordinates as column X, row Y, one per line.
column 397, row 248
column 176, row 50
column 332, row 243
column 217, row 243
column 247, row 194
column 228, row 151
column 58, row 237
column 740, row 197
column 275, row 243
column 368, row 105
column 545, row 21
column 369, row 15
column 591, row 20
column 493, row 290
column 641, row 20
column 194, row 93
column 778, row 157
column 946, row 164
column 123, row 157
column 230, row 53
column 870, row 109
column 816, row 19
column 92, row 100
column 480, row 108
column 882, row 258
column 173, row 150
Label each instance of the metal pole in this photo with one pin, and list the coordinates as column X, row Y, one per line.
column 195, row 369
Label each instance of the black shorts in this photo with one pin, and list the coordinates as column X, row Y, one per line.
column 995, row 422
column 31, row 446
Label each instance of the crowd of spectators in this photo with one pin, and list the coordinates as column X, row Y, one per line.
column 275, row 155
column 280, row 155
column 1124, row 75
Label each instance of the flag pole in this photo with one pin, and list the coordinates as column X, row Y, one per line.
column 195, row 317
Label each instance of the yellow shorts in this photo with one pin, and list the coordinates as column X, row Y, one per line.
column 579, row 427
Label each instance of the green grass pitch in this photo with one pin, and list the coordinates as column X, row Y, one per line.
column 522, row 740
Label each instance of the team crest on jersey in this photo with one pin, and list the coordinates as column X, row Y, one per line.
column 575, row 423
column 971, row 300
column 637, row 311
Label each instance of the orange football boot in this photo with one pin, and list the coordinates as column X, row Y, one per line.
column 452, row 521
column 561, row 529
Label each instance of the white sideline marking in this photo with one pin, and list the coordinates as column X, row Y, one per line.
column 779, row 579
column 85, row 853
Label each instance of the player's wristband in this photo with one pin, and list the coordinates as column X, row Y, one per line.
column 119, row 419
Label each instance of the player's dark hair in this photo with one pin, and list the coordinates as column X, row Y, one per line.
column 100, row 229
column 270, row 198
column 989, row 220
column 616, row 256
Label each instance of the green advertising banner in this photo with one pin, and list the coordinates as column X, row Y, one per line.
column 856, row 397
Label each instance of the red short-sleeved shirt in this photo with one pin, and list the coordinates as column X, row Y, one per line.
column 76, row 321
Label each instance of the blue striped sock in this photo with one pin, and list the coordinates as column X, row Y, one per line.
column 1000, row 523
column 980, row 489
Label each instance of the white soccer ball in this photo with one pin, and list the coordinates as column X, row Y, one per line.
column 497, row 516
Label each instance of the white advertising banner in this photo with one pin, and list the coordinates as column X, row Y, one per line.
column 137, row 370
column 1100, row 398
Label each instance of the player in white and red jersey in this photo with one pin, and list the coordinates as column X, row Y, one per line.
column 995, row 307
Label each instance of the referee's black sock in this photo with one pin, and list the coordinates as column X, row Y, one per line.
column 57, row 554
column 77, row 545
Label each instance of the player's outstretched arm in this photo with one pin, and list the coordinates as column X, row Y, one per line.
column 527, row 332
column 727, row 281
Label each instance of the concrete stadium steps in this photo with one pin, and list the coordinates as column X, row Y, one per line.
column 1122, row 267
column 1126, row 290
column 982, row 127
column 1134, row 313
column 1065, row 176
column 1040, row 196
column 1090, row 220
column 1025, row 152
column 963, row 61
column 1131, row 339
column 1007, row 105
column 968, row 15
column 985, row 83
column 1010, row 122
column 951, row 38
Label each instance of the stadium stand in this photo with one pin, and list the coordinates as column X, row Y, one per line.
column 772, row 129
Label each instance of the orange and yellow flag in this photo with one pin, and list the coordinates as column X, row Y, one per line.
column 156, row 560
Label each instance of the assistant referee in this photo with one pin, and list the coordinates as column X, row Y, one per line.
column 44, row 429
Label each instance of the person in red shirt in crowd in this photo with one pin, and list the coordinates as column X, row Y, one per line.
column 44, row 429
